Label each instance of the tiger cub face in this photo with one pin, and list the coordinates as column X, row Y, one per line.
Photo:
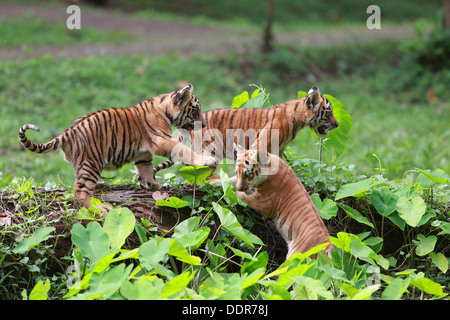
column 323, row 119
column 189, row 109
column 249, row 170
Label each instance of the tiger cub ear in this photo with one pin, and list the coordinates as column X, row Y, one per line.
column 184, row 95
column 313, row 98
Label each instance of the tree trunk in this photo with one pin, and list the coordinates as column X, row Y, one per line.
column 447, row 14
column 267, row 45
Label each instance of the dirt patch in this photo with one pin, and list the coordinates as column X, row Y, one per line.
column 155, row 37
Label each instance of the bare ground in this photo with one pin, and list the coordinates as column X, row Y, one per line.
column 155, row 37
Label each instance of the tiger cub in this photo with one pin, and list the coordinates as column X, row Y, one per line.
column 284, row 119
column 273, row 190
column 109, row 138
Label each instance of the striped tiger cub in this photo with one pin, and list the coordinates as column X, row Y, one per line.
column 226, row 126
column 269, row 186
column 109, row 138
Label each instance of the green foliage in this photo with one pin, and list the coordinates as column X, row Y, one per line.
column 334, row 143
column 212, row 255
column 32, row 32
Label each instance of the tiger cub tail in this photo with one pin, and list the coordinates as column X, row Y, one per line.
column 163, row 165
column 52, row 145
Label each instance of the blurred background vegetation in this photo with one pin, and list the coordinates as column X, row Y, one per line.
column 394, row 81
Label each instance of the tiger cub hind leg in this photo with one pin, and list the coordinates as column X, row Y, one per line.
column 86, row 176
column 144, row 174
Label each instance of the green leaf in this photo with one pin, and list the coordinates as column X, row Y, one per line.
column 153, row 252
column 104, row 284
column 428, row 286
column 92, row 241
column 336, row 139
column 239, row 100
column 242, row 254
column 425, row 244
column 445, row 227
column 195, row 175
column 119, row 224
column 257, row 100
column 38, row 236
column 228, row 189
column 327, row 208
column 354, row 214
column 384, row 201
column 178, row 250
column 261, row 262
column 395, row 289
column 188, row 233
column 411, row 210
column 440, row 261
column 142, row 289
column 437, row 175
column 355, row 189
column 177, row 284
column 366, row 293
column 230, row 223
column 172, row 202
column 250, row 279
column 40, row 291
column 313, row 285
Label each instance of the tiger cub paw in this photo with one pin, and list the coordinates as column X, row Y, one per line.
column 209, row 161
column 148, row 184
column 104, row 208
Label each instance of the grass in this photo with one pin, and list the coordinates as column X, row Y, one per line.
column 387, row 110
column 30, row 32
column 288, row 13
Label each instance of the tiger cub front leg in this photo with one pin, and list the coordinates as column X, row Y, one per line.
column 179, row 152
column 86, row 177
column 144, row 174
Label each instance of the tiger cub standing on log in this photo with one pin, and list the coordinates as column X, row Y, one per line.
column 284, row 119
column 273, row 190
column 109, row 138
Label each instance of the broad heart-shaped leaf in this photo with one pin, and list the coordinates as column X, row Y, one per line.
column 355, row 189
column 244, row 101
column 336, row 139
column 40, row 291
column 411, row 210
column 425, row 245
column 395, row 289
column 177, row 284
column 239, row 100
column 153, row 252
column 354, row 214
column 428, row 286
column 230, row 223
column 384, row 201
column 440, row 261
column 227, row 188
column 195, row 175
column 178, row 250
column 327, row 208
column 36, row 238
column 257, row 101
column 188, row 233
column 92, row 241
column 172, row 202
column 437, row 175
column 142, row 289
column 105, row 284
column 119, row 224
